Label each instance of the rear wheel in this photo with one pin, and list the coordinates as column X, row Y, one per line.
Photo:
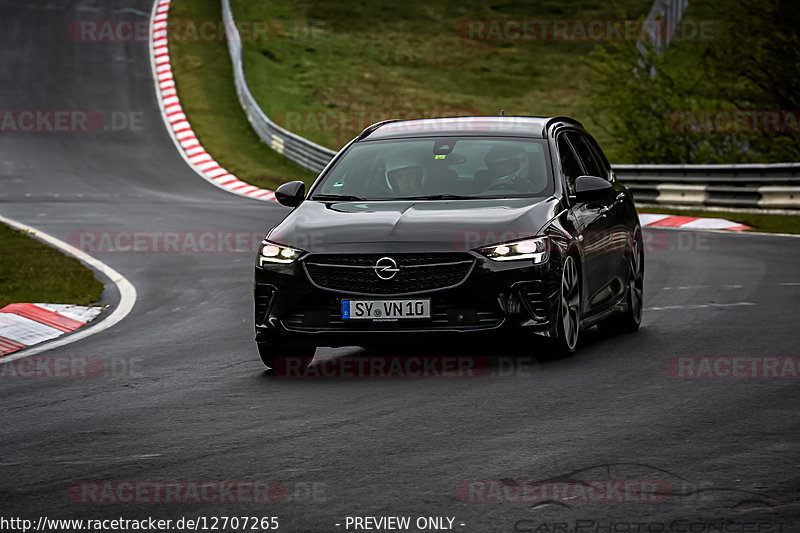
column 302, row 355
column 630, row 319
column 569, row 315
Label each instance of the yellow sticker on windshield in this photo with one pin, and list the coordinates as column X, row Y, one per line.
column 442, row 156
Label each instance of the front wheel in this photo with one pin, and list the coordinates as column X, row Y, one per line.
column 569, row 314
column 631, row 318
column 302, row 355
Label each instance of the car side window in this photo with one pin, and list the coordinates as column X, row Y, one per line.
column 599, row 156
column 585, row 155
column 570, row 167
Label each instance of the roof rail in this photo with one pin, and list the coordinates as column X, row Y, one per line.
column 551, row 120
column 373, row 127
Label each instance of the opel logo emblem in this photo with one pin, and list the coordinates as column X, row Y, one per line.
column 386, row 268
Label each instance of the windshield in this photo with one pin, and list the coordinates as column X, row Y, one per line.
column 439, row 167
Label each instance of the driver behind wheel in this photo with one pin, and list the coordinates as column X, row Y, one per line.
column 508, row 165
column 404, row 175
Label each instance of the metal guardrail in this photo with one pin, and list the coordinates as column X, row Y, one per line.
column 740, row 174
column 743, row 185
column 662, row 22
column 298, row 149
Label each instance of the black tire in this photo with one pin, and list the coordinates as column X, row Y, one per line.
column 271, row 352
column 569, row 313
column 630, row 320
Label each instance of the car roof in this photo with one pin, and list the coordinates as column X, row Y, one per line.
column 513, row 126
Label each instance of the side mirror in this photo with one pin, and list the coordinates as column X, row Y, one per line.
column 291, row 194
column 588, row 188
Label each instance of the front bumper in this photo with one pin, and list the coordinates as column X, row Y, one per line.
column 513, row 296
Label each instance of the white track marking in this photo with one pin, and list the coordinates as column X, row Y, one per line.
column 724, row 231
column 695, row 287
column 25, row 331
column 179, row 129
column 127, row 293
column 648, row 218
column 696, row 306
column 75, row 312
column 711, row 223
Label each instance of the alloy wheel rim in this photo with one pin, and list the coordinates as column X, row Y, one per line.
column 570, row 303
column 636, row 285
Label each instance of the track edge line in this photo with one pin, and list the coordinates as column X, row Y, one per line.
column 127, row 293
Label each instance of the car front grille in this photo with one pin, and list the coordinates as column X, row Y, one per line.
column 416, row 273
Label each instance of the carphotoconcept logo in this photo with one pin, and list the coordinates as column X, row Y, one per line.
column 674, row 525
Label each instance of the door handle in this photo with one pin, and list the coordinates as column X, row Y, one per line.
column 617, row 200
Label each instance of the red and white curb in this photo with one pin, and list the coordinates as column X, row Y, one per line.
column 127, row 299
column 178, row 126
column 672, row 221
column 23, row 325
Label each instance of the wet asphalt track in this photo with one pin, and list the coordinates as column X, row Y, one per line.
column 190, row 401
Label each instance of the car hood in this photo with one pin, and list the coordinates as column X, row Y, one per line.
column 392, row 226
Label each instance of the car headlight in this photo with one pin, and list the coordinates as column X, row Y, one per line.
column 277, row 253
column 535, row 249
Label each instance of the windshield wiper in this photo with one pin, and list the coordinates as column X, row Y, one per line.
column 337, row 197
column 438, row 197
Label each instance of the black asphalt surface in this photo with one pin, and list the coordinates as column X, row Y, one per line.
column 188, row 399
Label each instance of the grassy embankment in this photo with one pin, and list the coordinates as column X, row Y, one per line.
column 329, row 70
column 33, row 272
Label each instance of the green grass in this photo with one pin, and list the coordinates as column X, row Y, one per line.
column 32, row 272
column 360, row 64
column 758, row 222
column 204, row 81
column 409, row 58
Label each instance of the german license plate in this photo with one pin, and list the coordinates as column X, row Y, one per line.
column 385, row 309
